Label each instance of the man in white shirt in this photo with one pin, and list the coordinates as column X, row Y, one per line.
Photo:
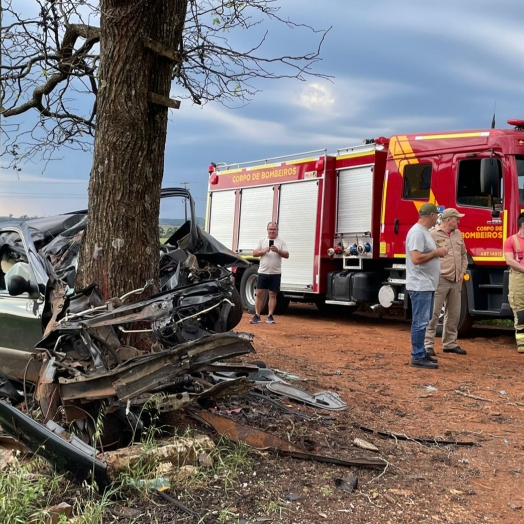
column 271, row 250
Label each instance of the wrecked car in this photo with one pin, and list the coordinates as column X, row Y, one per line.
column 79, row 351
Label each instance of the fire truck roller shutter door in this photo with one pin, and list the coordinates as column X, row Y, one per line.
column 222, row 218
column 297, row 224
column 256, row 210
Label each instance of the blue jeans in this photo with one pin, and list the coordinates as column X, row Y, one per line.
column 422, row 310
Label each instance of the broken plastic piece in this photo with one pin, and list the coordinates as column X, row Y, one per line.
column 322, row 399
column 287, row 375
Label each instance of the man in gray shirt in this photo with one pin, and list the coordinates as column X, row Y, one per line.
column 422, row 278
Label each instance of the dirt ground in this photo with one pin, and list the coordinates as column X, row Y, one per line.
column 477, row 399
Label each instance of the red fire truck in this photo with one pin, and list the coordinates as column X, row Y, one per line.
column 345, row 216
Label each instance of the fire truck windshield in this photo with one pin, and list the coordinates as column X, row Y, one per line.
column 520, row 173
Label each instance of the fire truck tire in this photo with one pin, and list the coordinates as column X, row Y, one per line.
column 282, row 304
column 248, row 289
column 235, row 314
column 465, row 320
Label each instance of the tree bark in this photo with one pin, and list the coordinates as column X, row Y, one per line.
column 120, row 251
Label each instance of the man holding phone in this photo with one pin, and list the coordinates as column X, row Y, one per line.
column 271, row 250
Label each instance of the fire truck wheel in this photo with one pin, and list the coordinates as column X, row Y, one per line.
column 235, row 314
column 465, row 320
column 248, row 288
column 282, row 304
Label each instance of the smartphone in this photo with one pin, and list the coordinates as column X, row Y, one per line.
column 271, row 243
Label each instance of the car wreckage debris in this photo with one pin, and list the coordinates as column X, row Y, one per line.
column 166, row 380
column 348, row 484
column 279, row 405
column 323, row 399
column 92, row 365
column 259, row 439
column 52, row 447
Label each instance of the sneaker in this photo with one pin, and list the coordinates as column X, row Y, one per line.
column 255, row 320
column 270, row 319
column 456, row 350
column 430, row 352
column 433, row 359
column 423, row 362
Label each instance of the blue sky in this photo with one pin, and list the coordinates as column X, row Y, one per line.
column 398, row 67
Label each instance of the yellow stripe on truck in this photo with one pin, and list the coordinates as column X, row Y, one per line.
column 452, row 135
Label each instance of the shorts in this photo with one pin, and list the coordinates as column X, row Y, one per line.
column 271, row 282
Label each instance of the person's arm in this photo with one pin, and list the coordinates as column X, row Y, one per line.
column 509, row 255
column 464, row 260
column 282, row 252
column 417, row 257
column 259, row 250
column 512, row 262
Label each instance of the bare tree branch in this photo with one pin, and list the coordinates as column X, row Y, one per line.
column 50, row 63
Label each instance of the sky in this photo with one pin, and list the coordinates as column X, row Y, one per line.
column 396, row 67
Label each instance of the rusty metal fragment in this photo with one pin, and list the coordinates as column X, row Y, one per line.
column 262, row 440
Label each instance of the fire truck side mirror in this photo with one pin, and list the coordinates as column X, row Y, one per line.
column 490, row 177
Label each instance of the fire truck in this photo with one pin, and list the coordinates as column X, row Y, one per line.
column 345, row 216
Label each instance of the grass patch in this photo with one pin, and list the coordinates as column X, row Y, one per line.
column 25, row 494
column 497, row 322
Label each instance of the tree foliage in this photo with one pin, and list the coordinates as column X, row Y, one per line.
column 50, row 53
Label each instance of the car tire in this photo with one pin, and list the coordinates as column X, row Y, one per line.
column 248, row 289
column 236, row 312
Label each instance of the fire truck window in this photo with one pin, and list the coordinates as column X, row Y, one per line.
column 468, row 188
column 520, row 174
column 417, row 181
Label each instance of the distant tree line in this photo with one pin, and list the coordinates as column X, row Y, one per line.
column 22, row 218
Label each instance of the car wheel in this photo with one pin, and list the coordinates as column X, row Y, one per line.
column 248, row 289
column 235, row 314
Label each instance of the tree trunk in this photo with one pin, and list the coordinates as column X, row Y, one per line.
column 120, row 251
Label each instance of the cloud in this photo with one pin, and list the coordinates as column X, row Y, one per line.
column 401, row 67
column 316, row 97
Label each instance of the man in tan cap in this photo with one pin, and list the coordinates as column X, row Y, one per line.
column 452, row 270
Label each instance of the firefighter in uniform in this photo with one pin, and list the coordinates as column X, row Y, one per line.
column 514, row 255
column 452, row 270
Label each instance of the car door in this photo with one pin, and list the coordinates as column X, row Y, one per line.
column 20, row 316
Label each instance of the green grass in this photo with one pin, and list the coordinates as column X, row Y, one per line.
column 25, row 494
column 503, row 323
